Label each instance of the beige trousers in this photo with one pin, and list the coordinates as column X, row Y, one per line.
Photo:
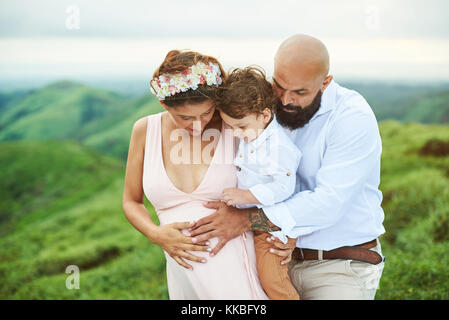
column 336, row 279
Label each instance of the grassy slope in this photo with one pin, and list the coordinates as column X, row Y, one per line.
column 57, row 111
column 416, row 205
column 82, row 225
column 68, row 110
column 112, row 135
column 406, row 103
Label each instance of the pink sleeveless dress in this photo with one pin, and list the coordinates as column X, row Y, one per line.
column 232, row 273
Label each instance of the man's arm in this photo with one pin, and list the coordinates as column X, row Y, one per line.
column 353, row 150
column 259, row 221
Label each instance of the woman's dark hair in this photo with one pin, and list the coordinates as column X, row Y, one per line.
column 177, row 61
column 244, row 92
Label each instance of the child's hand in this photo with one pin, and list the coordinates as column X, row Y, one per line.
column 234, row 196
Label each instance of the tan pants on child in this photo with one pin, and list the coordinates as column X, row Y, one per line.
column 272, row 275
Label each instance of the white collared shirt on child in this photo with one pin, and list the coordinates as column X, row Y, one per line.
column 267, row 166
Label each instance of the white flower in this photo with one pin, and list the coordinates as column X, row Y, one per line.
column 183, row 81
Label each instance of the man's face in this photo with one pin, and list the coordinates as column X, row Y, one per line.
column 294, row 117
column 299, row 91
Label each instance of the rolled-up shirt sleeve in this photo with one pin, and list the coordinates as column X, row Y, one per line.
column 282, row 171
column 353, row 147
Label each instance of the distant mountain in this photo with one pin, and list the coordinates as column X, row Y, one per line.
column 405, row 103
column 112, row 134
column 69, row 110
column 56, row 111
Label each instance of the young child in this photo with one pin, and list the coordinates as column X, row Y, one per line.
column 266, row 163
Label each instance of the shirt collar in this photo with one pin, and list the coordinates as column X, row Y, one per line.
column 328, row 99
column 266, row 133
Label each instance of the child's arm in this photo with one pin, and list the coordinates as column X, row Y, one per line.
column 283, row 174
column 282, row 167
column 235, row 196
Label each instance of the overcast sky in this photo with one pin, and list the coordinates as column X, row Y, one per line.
column 366, row 38
column 230, row 18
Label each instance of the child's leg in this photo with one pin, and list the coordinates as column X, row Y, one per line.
column 273, row 276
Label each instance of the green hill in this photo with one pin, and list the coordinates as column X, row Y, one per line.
column 57, row 111
column 415, row 186
column 405, row 103
column 112, row 134
column 61, row 205
column 69, row 110
column 42, row 177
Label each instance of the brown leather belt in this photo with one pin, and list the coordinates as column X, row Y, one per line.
column 359, row 252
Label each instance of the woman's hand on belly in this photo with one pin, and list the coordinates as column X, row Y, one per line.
column 170, row 238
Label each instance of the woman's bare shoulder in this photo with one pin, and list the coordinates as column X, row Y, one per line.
column 139, row 131
column 140, row 128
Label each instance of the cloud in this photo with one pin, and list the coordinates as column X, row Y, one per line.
column 252, row 18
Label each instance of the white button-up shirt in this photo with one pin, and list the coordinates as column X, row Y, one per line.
column 264, row 168
column 336, row 201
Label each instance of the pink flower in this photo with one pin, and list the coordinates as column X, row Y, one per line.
column 186, row 72
column 202, row 79
column 173, row 90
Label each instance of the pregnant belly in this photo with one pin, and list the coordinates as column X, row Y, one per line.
column 193, row 211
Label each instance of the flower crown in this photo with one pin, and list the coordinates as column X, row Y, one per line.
column 170, row 84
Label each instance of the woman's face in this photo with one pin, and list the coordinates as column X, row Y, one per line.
column 191, row 117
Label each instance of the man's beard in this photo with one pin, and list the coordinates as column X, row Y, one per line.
column 299, row 116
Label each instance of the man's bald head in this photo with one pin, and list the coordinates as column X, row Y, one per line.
column 301, row 69
column 303, row 54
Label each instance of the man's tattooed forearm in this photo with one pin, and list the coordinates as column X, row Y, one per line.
column 260, row 222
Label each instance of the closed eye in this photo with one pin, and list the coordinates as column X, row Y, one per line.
column 188, row 118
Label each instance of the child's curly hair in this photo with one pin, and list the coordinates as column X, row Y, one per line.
column 244, row 92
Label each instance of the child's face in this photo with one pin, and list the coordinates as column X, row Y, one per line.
column 249, row 127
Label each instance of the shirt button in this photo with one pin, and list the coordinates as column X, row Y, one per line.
column 288, row 174
column 239, row 169
column 240, row 155
column 252, row 151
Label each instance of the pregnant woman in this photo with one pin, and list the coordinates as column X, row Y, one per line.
column 180, row 159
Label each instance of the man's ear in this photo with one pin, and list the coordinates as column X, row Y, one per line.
column 326, row 82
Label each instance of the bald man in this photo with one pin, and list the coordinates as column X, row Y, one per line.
column 336, row 210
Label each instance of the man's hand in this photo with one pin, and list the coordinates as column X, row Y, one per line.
column 283, row 249
column 225, row 224
column 233, row 196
